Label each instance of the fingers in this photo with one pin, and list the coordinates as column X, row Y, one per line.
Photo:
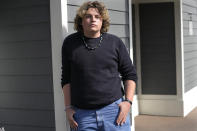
column 73, row 124
column 121, row 118
column 124, row 109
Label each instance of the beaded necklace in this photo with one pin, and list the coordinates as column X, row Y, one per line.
column 92, row 48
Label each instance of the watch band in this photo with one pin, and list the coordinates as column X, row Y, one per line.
column 68, row 107
column 128, row 101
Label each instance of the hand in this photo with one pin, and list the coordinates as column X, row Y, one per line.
column 69, row 113
column 124, row 110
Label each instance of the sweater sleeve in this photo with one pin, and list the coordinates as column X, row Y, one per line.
column 65, row 77
column 126, row 68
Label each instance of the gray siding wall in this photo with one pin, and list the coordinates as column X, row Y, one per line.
column 190, row 44
column 26, row 97
column 119, row 17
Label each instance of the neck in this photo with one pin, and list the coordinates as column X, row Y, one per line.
column 92, row 34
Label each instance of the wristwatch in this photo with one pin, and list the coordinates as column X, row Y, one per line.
column 128, row 100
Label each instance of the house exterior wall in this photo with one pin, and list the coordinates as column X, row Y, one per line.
column 190, row 44
column 189, row 15
column 26, row 97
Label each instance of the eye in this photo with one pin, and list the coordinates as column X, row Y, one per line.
column 88, row 16
column 97, row 16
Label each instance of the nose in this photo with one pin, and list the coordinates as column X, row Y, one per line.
column 93, row 18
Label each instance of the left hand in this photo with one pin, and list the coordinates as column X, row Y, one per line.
column 124, row 110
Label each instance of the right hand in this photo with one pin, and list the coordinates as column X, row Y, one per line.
column 70, row 113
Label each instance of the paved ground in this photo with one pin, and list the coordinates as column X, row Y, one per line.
column 159, row 123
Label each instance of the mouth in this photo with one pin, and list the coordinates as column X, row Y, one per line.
column 92, row 25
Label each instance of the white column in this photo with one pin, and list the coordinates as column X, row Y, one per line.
column 58, row 13
column 134, row 110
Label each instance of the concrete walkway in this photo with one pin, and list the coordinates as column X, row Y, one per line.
column 160, row 123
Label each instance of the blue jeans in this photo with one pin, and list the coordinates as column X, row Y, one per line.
column 103, row 119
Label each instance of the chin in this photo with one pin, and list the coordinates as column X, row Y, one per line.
column 94, row 31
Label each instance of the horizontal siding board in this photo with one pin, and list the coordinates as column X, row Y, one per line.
column 186, row 33
column 25, row 32
column 190, row 55
column 26, row 100
column 26, row 128
column 189, row 2
column 26, row 84
column 25, row 49
column 189, row 9
column 186, row 24
column 72, row 10
column 119, row 30
column 27, row 118
column 190, row 40
column 190, row 86
column 8, row 4
column 190, row 62
column 190, row 48
column 71, row 28
column 186, row 17
column 20, row 16
column 26, row 94
column 25, row 67
column 120, row 5
column 115, row 16
column 190, row 70
column 190, row 78
column 190, row 44
column 119, row 17
column 125, row 40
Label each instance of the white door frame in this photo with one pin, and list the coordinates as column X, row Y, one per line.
column 173, row 104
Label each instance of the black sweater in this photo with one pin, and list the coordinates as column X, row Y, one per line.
column 95, row 75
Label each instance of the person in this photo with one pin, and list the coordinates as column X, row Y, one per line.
column 94, row 63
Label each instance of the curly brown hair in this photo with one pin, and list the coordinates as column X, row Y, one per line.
column 82, row 11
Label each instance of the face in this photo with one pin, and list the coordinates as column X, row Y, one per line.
column 92, row 21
